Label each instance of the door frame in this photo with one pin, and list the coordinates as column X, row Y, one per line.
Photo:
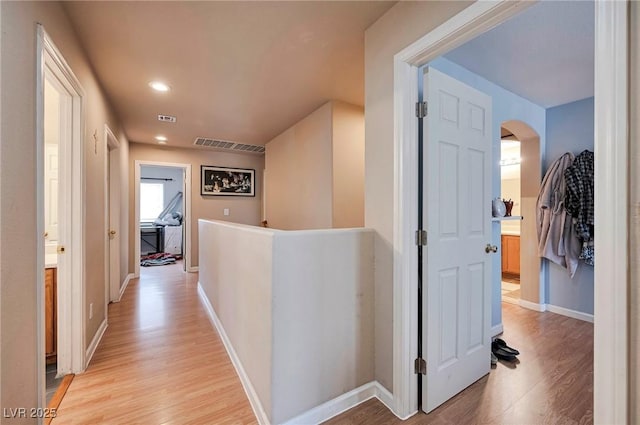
column 70, row 296
column 187, row 212
column 112, row 286
column 611, row 183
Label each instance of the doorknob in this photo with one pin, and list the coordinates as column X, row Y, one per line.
column 112, row 232
column 490, row 248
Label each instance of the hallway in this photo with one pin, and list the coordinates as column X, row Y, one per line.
column 159, row 362
column 162, row 362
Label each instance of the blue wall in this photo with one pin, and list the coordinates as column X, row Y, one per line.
column 569, row 129
column 506, row 106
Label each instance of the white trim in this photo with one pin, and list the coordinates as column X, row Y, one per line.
column 570, row 313
column 497, row 330
column 342, row 403
column 256, row 405
column 385, row 397
column 479, row 17
column 611, row 190
column 193, row 269
column 405, row 258
column 611, row 271
column 187, row 211
column 124, row 285
column 533, row 306
column 40, row 261
column 70, row 296
column 95, row 342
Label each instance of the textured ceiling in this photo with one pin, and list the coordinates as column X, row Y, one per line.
column 545, row 54
column 238, row 71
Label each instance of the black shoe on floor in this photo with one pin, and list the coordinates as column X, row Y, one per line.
column 502, row 344
column 502, row 354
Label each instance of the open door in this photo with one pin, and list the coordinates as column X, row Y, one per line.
column 457, row 260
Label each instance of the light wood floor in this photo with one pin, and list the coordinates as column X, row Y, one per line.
column 160, row 362
column 552, row 384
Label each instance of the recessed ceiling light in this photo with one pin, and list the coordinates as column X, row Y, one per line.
column 159, row 86
column 161, row 138
column 162, row 142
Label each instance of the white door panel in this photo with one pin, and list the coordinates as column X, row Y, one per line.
column 51, row 212
column 457, row 205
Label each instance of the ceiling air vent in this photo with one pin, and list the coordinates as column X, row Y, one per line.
column 230, row 146
column 167, row 118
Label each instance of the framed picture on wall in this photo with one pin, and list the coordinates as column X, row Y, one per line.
column 223, row 181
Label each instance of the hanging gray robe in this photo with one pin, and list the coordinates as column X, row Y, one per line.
column 557, row 239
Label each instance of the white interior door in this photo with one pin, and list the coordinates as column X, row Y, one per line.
column 457, row 205
column 113, row 225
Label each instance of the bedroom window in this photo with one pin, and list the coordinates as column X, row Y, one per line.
column 151, row 200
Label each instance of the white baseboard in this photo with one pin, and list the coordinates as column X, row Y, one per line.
column 94, row 343
column 124, row 285
column 570, row 313
column 258, row 410
column 384, row 396
column 497, row 330
column 193, row 269
column 533, row 306
column 509, row 300
column 342, row 403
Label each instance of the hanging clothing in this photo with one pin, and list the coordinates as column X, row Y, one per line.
column 557, row 240
column 579, row 201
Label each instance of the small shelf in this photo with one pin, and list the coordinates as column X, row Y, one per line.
column 512, row 217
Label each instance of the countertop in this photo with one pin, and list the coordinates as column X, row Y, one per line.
column 510, row 233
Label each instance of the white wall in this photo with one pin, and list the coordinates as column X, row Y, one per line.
column 236, row 273
column 348, row 165
column 322, row 316
column 315, row 177
column 299, row 167
column 297, row 307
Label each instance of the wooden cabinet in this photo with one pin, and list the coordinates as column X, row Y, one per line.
column 511, row 254
column 50, row 307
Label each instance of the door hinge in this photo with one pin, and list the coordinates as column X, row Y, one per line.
column 420, row 366
column 421, row 109
column 421, row 237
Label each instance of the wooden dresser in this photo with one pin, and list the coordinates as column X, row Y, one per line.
column 50, row 308
column 511, row 254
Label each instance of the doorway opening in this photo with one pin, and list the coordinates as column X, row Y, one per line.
column 60, row 200
column 162, row 217
column 611, row 110
column 520, row 168
column 114, row 276
column 510, row 178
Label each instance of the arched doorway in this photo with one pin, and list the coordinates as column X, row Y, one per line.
column 531, row 290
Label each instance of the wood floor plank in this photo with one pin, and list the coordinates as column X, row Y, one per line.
column 551, row 384
column 159, row 362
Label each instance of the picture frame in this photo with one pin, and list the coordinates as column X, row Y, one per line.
column 225, row 181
